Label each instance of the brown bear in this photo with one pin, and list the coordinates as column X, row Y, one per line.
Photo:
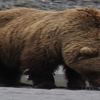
column 35, row 42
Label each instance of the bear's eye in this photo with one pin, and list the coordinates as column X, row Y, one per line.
column 88, row 52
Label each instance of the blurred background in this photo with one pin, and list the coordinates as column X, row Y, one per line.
column 48, row 4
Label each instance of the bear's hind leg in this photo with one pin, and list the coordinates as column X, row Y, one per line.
column 9, row 77
column 42, row 79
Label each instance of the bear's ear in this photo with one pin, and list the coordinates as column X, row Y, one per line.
column 89, row 52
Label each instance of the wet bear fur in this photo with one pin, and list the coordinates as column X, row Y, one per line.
column 35, row 42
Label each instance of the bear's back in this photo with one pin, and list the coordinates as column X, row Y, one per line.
column 15, row 27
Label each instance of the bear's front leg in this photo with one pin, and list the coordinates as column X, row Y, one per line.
column 75, row 81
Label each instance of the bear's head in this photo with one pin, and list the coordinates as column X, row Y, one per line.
column 81, row 47
column 86, row 61
column 88, row 64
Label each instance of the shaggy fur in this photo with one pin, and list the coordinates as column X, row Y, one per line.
column 41, row 40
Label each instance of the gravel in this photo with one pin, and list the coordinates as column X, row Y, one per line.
column 55, row 5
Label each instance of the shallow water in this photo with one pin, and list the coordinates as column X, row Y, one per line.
column 59, row 80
